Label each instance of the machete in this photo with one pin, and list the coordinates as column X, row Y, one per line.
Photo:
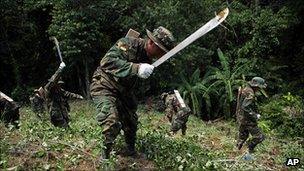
column 57, row 47
column 218, row 19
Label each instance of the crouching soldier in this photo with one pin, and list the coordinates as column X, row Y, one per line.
column 176, row 111
column 9, row 110
column 56, row 99
column 38, row 102
column 247, row 114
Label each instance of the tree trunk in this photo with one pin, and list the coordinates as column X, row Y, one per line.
column 79, row 81
column 87, row 79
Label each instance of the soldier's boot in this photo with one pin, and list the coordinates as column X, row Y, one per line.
column 130, row 150
column 239, row 145
column 254, row 142
column 251, row 148
column 172, row 133
column 184, row 130
column 105, row 153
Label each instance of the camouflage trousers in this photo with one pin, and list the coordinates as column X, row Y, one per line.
column 179, row 121
column 59, row 118
column 114, row 113
column 10, row 114
column 254, row 130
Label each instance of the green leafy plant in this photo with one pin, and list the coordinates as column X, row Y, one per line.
column 226, row 79
column 284, row 114
column 195, row 91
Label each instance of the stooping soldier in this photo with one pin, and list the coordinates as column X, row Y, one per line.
column 247, row 114
column 9, row 110
column 114, row 80
column 176, row 111
column 56, row 99
column 38, row 102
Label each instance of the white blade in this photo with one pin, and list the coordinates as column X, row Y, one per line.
column 218, row 19
column 57, row 47
column 179, row 99
column 6, row 97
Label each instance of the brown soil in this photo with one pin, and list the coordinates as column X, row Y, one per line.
column 137, row 163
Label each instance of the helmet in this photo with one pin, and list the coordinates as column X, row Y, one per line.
column 162, row 37
column 258, row 82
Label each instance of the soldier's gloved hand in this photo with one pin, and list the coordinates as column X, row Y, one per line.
column 81, row 97
column 145, row 70
column 62, row 65
column 258, row 116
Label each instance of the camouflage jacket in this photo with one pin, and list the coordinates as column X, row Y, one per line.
column 56, row 97
column 7, row 107
column 118, row 68
column 37, row 103
column 246, row 110
column 172, row 104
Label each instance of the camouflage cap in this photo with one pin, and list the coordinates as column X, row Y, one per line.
column 162, row 37
column 257, row 82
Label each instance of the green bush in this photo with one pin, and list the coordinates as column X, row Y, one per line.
column 167, row 153
column 284, row 114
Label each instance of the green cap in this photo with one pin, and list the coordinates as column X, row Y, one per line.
column 162, row 37
column 258, row 82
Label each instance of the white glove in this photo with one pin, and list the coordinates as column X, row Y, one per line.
column 258, row 116
column 145, row 70
column 62, row 65
column 81, row 97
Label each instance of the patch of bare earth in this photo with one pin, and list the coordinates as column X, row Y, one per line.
column 134, row 163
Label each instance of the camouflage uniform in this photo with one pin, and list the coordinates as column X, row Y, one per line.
column 9, row 111
column 56, row 100
column 112, row 89
column 177, row 115
column 247, row 118
column 38, row 104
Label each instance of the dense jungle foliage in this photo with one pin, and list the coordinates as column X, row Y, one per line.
column 259, row 38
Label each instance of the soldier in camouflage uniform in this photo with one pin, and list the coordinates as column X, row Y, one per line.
column 177, row 115
column 38, row 103
column 9, row 110
column 56, row 100
column 114, row 82
column 247, row 115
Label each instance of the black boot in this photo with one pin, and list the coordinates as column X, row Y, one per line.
column 251, row 148
column 239, row 145
column 184, row 130
column 105, row 153
column 131, row 149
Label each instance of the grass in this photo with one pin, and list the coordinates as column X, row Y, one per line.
column 37, row 145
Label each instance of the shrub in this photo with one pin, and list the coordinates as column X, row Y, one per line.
column 285, row 114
